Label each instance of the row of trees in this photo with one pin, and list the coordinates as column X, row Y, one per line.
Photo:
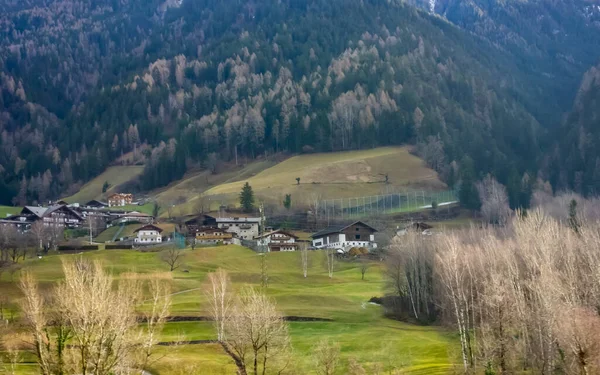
column 523, row 297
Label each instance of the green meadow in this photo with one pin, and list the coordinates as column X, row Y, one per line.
column 342, row 303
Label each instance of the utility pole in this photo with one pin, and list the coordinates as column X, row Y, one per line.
column 263, row 249
column 90, row 225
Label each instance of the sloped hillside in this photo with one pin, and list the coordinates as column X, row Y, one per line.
column 322, row 176
column 185, row 83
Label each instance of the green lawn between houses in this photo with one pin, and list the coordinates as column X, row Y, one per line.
column 357, row 325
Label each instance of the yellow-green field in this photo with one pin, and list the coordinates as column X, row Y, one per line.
column 115, row 176
column 8, row 210
column 357, row 325
column 326, row 175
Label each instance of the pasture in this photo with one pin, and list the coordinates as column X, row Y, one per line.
column 324, row 175
column 340, row 302
column 115, row 176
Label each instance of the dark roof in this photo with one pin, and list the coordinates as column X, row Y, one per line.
column 148, row 227
column 58, row 207
column 200, row 217
column 95, row 202
column 35, row 210
column 339, row 228
column 279, row 231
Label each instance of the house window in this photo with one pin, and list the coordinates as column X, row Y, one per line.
column 357, row 237
column 357, row 229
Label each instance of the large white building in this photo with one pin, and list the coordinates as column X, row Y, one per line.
column 246, row 228
column 148, row 234
column 345, row 236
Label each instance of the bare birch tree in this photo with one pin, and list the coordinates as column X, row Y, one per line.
column 330, row 260
column 304, row 258
column 220, row 297
column 494, row 201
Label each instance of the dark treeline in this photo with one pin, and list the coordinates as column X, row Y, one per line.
column 178, row 84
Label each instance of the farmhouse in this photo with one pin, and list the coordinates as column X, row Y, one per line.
column 148, row 234
column 211, row 236
column 119, row 199
column 278, row 240
column 59, row 215
column 344, row 236
column 201, row 221
column 245, row 228
column 133, row 216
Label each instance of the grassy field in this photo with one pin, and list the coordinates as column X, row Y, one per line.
column 357, row 325
column 8, row 210
column 335, row 175
column 327, row 175
column 114, row 175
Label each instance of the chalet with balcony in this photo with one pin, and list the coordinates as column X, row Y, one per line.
column 246, row 228
column 278, row 240
column 148, row 235
column 119, row 199
column 214, row 236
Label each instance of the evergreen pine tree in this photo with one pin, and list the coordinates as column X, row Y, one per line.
column 247, row 198
column 468, row 195
column 573, row 221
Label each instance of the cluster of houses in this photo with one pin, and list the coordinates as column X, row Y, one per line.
column 210, row 230
column 72, row 216
column 206, row 229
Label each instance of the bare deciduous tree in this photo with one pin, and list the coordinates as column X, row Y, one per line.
column 220, row 296
column 326, row 356
column 173, row 257
column 85, row 326
column 330, row 254
column 494, row 201
column 304, row 258
column 256, row 335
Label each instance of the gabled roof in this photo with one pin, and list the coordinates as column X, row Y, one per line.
column 339, row 228
column 95, row 202
column 149, row 227
column 197, row 217
column 58, row 207
column 35, row 210
column 278, row 231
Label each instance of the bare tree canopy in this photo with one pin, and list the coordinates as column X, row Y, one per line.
column 85, row 326
column 173, row 257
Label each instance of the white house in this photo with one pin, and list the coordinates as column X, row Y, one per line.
column 148, row 234
column 278, row 240
column 345, row 236
column 245, row 228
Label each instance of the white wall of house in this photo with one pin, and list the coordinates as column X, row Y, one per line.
column 148, row 236
column 244, row 228
column 342, row 242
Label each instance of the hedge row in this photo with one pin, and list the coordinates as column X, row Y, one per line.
column 118, row 247
column 77, row 247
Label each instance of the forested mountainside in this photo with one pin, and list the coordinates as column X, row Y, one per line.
column 553, row 42
column 575, row 161
column 181, row 83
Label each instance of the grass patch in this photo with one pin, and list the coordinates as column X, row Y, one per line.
column 9, row 210
column 115, row 176
column 357, row 325
column 335, row 175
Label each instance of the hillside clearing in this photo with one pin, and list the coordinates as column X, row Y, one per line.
column 324, row 175
column 115, row 176
column 357, row 325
